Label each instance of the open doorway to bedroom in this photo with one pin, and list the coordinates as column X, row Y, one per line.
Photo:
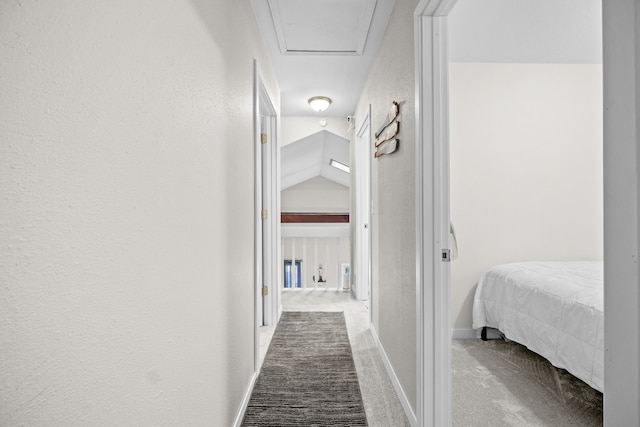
column 526, row 185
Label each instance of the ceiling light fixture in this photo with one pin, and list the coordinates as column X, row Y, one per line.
column 338, row 165
column 319, row 103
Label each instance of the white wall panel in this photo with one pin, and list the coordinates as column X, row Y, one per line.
column 526, row 168
column 126, row 198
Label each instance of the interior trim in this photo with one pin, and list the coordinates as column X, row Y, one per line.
column 404, row 401
column 313, row 217
column 433, row 341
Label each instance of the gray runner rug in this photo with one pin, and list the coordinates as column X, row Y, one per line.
column 308, row 377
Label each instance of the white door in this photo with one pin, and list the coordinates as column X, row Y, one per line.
column 362, row 277
column 270, row 219
column 266, row 253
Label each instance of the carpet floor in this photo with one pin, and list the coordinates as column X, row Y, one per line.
column 502, row 383
column 381, row 403
column 308, row 376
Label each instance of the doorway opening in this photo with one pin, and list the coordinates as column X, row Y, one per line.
column 619, row 25
column 315, row 194
column 266, row 221
column 525, row 187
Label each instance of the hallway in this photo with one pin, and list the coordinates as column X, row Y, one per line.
column 128, row 140
column 380, row 400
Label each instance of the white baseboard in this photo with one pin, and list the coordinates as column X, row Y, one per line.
column 245, row 401
column 411, row 416
column 465, row 334
column 474, row 334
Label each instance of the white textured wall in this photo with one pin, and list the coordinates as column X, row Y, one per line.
column 393, row 196
column 126, row 200
column 317, row 194
column 526, row 168
column 526, row 31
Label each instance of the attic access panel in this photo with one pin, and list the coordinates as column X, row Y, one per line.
column 322, row 27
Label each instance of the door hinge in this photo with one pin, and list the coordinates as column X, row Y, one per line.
column 263, row 138
column 264, row 214
column 446, row 255
column 265, row 291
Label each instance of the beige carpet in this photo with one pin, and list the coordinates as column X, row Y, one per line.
column 498, row 383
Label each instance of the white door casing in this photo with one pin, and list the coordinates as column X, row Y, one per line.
column 621, row 56
column 258, row 202
column 432, row 214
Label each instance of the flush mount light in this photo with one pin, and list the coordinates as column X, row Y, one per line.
column 319, row 103
column 336, row 164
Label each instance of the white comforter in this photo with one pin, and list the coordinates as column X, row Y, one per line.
column 554, row 308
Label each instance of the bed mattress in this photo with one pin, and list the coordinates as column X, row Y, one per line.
column 554, row 308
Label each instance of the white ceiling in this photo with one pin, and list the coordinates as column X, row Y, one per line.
column 326, row 47
column 322, row 47
column 307, row 27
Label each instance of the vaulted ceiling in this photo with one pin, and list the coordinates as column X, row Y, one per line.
column 309, row 157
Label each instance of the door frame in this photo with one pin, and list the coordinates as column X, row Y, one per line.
column 621, row 54
column 432, row 214
column 265, row 231
column 363, row 208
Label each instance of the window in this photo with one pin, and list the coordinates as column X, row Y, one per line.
column 292, row 274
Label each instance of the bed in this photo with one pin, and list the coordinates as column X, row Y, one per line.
column 556, row 309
